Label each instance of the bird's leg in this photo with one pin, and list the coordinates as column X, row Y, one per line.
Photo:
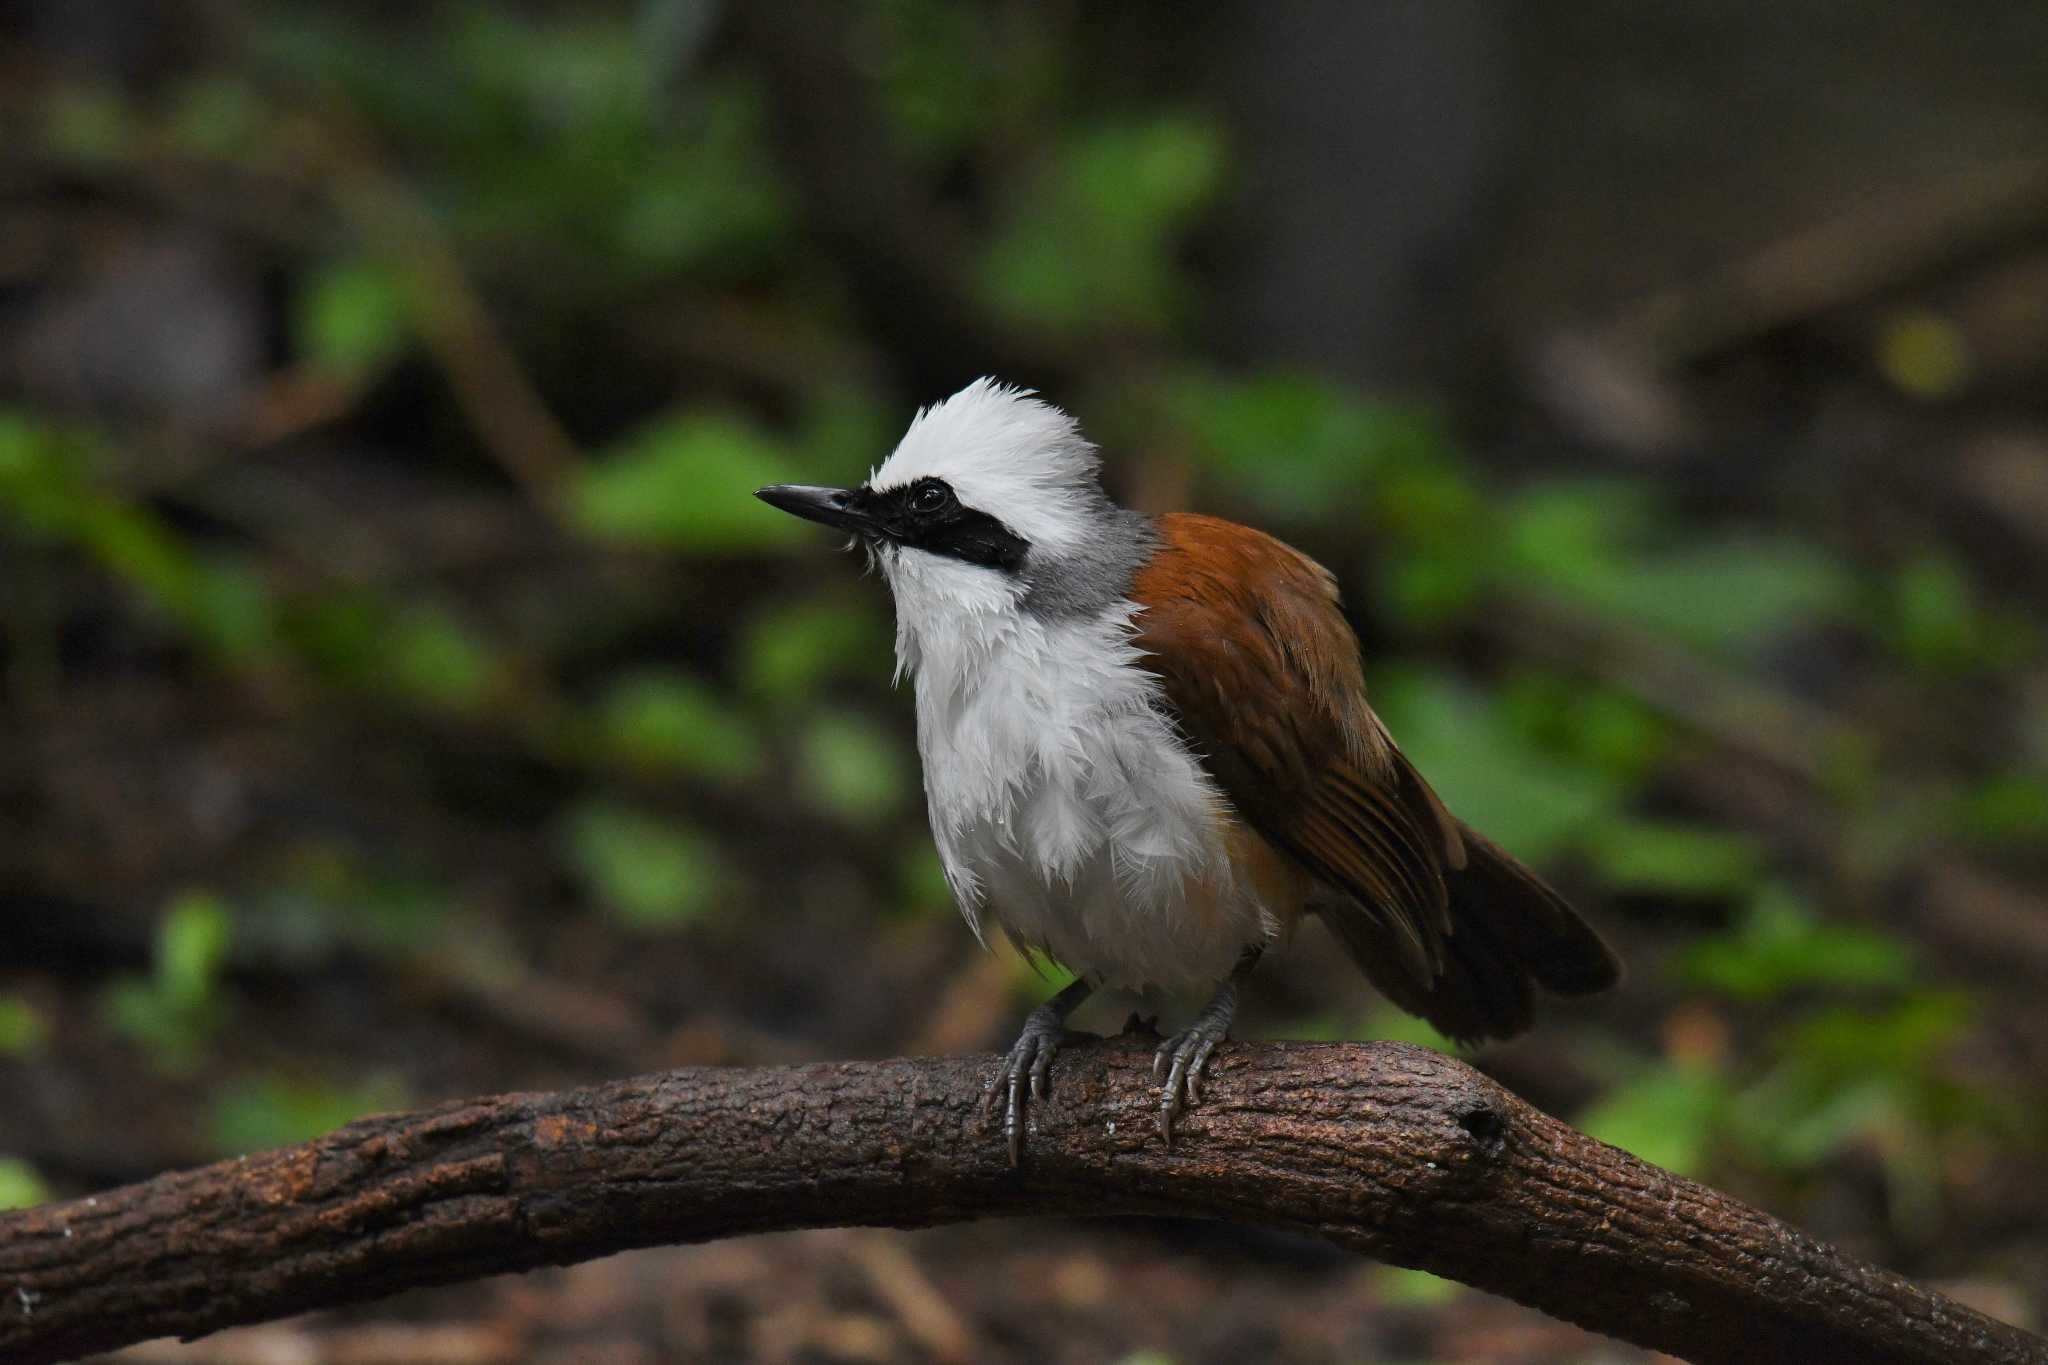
column 1031, row 1056
column 1182, row 1058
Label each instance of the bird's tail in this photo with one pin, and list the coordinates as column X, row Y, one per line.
column 1510, row 933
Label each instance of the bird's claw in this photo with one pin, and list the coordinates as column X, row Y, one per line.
column 1027, row 1070
column 1182, row 1060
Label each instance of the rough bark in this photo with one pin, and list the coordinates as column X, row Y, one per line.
column 1396, row 1152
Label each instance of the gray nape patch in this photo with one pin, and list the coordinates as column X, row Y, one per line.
column 1083, row 581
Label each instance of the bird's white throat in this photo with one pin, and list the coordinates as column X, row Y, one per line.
column 1064, row 804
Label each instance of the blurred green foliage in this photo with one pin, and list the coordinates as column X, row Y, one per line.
column 175, row 1010
column 1086, row 244
column 565, row 130
column 324, row 894
column 1668, row 1113
column 606, row 174
column 654, row 872
column 1610, row 548
column 351, row 318
column 672, row 722
column 23, row 1028
column 1779, row 945
column 275, row 1111
column 20, row 1186
column 1860, row 1059
column 685, row 484
column 1528, row 795
column 790, row 651
column 1936, row 620
column 53, row 490
column 1407, row 1288
column 2006, row 808
column 853, row 768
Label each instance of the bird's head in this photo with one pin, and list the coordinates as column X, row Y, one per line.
column 991, row 501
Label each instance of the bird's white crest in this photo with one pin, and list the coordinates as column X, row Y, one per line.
column 1005, row 451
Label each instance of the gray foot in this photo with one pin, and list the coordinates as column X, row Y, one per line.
column 1181, row 1059
column 1029, row 1063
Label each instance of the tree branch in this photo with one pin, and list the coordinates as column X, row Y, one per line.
column 1393, row 1151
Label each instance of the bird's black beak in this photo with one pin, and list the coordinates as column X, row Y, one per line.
column 829, row 506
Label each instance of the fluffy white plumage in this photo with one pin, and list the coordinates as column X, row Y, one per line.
column 1062, row 800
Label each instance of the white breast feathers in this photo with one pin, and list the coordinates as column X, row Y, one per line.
column 1062, row 800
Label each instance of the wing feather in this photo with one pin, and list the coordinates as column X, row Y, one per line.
column 1250, row 645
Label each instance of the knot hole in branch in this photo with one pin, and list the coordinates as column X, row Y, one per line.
column 1485, row 1125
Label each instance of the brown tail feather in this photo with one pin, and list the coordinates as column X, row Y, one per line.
column 1510, row 933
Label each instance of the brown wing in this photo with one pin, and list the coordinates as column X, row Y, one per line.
column 1247, row 638
column 1252, row 650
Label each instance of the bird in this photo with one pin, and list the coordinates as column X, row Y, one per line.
column 1148, row 752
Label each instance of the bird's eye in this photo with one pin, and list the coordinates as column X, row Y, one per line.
column 930, row 497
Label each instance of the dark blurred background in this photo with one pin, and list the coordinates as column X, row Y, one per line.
column 401, row 697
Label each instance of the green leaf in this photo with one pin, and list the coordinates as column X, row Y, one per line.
column 1732, row 594
column 1393, row 1025
column 1843, row 1041
column 2008, row 810
column 1298, row 443
column 134, row 1008
column 175, row 1010
column 1781, row 946
column 706, row 196
column 229, row 608
column 276, row 1111
column 954, row 75
column 22, row 1027
column 1087, row 245
column 22, row 446
column 1325, row 1026
column 435, row 657
column 654, row 872
column 789, row 651
column 1936, row 618
column 216, row 115
column 1807, row 1129
column 1429, row 587
column 352, row 318
column 1533, row 803
column 1609, row 729
column 1668, row 1116
column 921, row 886
column 327, row 891
column 687, row 483
column 1850, row 1073
column 20, row 1186
column 1037, row 979
column 1572, row 534
column 191, row 948
column 677, row 722
column 1606, row 546
column 853, row 768
column 1658, row 856
column 1401, row 1287
column 845, row 426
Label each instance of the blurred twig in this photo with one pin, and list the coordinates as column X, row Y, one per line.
column 1394, row 1151
column 1835, row 263
column 489, row 382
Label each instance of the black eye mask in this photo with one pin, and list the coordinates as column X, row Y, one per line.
column 926, row 515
